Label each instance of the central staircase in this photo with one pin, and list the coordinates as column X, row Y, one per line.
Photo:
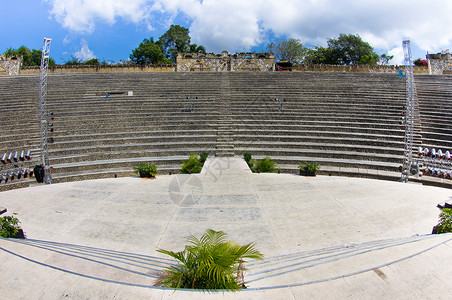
column 225, row 133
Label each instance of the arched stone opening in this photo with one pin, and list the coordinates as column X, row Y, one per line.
column 199, row 67
column 249, row 66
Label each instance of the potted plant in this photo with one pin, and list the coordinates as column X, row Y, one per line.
column 209, row 263
column 309, row 168
column 9, row 228
column 146, row 170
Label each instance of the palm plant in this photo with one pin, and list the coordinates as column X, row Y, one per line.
column 192, row 165
column 210, row 263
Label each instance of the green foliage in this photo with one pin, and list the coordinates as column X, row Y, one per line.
column 9, row 226
column 445, row 221
column 73, row 61
column 384, row 59
column 148, row 52
column 247, row 157
column 346, row 50
column 203, row 157
column 197, row 49
column 265, row 165
column 92, row 62
column 145, row 169
column 29, row 57
column 210, row 262
column 310, row 167
column 175, row 39
column 291, row 50
column 192, row 165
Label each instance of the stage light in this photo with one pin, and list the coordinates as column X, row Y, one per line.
column 18, row 174
column 27, row 155
column 16, row 156
column 420, row 151
column 31, row 173
column 4, row 158
column 10, row 157
column 5, row 178
column 426, row 151
column 440, row 153
column 25, row 172
column 433, row 153
column 22, row 155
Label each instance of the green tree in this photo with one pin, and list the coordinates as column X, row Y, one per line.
column 29, row 57
column 197, row 49
column 291, row 50
column 322, row 55
column 92, row 62
column 148, row 52
column 174, row 40
column 351, row 49
column 73, row 61
column 384, row 58
column 209, row 263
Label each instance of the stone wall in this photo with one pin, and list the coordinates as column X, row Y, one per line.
column 61, row 69
column 357, row 68
column 9, row 66
column 440, row 63
column 224, row 62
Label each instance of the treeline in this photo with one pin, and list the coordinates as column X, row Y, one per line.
column 345, row 50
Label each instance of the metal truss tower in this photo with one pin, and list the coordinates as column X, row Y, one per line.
column 44, row 116
column 409, row 112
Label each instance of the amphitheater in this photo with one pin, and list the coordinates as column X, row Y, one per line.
column 350, row 123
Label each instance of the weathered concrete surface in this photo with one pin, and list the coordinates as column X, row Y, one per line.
column 322, row 237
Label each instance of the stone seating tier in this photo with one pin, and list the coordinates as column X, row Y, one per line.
column 348, row 122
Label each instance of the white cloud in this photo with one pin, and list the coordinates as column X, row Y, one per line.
column 84, row 53
column 238, row 25
column 82, row 15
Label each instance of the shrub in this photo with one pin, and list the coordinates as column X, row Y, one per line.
column 194, row 163
column 247, row 157
column 445, row 221
column 265, row 165
column 203, row 157
column 309, row 167
column 9, row 226
column 208, row 263
column 145, row 169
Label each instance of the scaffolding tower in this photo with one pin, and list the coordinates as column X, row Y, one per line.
column 44, row 116
column 409, row 113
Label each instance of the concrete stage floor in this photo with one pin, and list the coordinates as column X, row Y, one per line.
column 323, row 237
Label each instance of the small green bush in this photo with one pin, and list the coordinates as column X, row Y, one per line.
column 9, row 226
column 247, row 157
column 265, row 165
column 310, row 167
column 145, row 169
column 445, row 221
column 210, row 263
column 194, row 163
column 203, row 157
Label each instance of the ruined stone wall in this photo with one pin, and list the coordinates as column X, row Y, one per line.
column 224, row 62
column 61, row 69
column 357, row 68
column 440, row 63
column 9, row 66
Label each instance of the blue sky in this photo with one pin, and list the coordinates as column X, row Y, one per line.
column 110, row 29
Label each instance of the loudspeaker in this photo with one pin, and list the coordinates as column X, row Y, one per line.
column 39, row 173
